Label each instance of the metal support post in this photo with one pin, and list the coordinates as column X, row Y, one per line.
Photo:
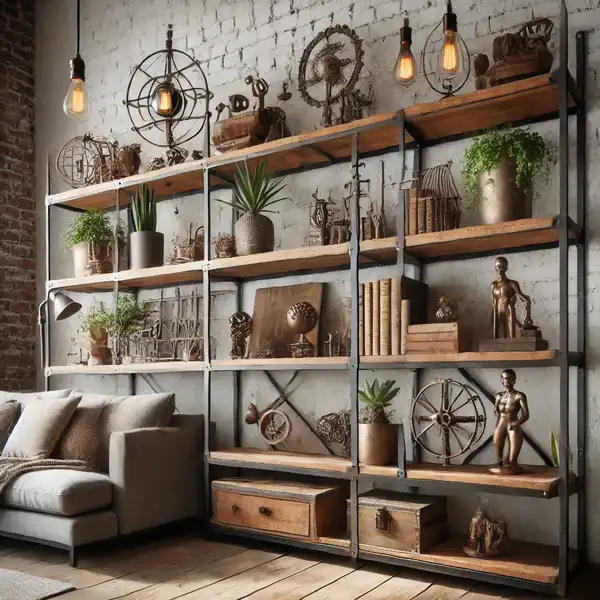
column 207, row 349
column 237, row 388
column 582, row 303
column 563, row 251
column 354, row 341
column 44, row 314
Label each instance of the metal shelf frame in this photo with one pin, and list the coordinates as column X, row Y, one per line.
column 566, row 358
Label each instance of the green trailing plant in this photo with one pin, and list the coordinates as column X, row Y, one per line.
column 526, row 149
column 143, row 209
column 377, row 398
column 255, row 192
column 129, row 318
column 92, row 227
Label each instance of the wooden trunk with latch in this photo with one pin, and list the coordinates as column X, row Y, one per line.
column 291, row 508
column 402, row 522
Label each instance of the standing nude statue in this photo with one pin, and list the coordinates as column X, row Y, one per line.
column 505, row 293
column 509, row 425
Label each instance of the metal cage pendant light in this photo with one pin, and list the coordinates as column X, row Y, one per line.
column 446, row 62
column 77, row 103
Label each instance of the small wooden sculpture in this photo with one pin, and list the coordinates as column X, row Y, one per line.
column 301, row 319
column 445, row 312
column 191, row 250
column 487, row 538
column 509, row 404
column 240, row 325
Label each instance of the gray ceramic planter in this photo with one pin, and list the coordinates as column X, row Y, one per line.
column 147, row 249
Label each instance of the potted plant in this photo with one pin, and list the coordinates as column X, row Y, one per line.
column 498, row 172
column 90, row 238
column 146, row 244
column 129, row 319
column 96, row 324
column 377, row 437
column 254, row 194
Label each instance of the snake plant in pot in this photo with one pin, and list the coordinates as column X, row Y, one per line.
column 377, row 437
column 146, row 244
column 255, row 193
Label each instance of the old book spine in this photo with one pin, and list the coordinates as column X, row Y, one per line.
column 375, row 348
column 413, row 212
column 404, row 323
column 384, row 317
column 406, row 212
column 421, row 215
column 395, row 316
column 361, row 320
column 368, row 318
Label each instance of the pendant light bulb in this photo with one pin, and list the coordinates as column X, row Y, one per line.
column 77, row 103
column 405, row 70
column 450, row 55
column 166, row 100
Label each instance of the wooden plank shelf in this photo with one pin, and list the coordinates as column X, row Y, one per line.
column 530, row 562
column 254, row 458
column 185, row 273
column 461, row 359
column 157, row 367
column 539, row 481
column 532, row 99
column 281, row 364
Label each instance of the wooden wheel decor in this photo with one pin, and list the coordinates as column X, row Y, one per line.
column 451, row 425
column 274, row 427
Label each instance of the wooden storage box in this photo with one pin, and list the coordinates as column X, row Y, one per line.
column 299, row 509
column 432, row 337
column 401, row 521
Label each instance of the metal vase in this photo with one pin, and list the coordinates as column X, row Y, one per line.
column 254, row 234
column 501, row 199
column 146, row 249
column 377, row 443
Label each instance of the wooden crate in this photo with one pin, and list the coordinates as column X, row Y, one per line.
column 291, row 508
column 402, row 522
column 432, row 338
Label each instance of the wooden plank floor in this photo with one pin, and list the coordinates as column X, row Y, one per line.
column 195, row 569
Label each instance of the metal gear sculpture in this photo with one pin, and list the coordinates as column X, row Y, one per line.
column 450, row 427
column 325, row 66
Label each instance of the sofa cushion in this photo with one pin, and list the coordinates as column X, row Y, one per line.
column 26, row 397
column 40, row 426
column 119, row 413
column 59, row 492
column 9, row 415
column 81, row 440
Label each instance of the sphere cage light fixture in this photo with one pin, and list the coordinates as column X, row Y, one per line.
column 168, row 98
column 445, row 60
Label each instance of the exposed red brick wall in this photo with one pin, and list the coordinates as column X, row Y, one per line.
column 17, row 199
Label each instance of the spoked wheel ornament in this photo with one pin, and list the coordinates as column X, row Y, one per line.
column 448, row 418
column 275, row 427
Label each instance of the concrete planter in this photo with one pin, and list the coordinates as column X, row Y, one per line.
column 501, row 199
column 377, row 443
column 147, row 249
column 254, row 234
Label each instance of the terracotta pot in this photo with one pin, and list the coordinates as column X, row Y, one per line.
column 147, row 249
column 254, row 234
column 377, row 443
column 501, row 199
column 100, row 353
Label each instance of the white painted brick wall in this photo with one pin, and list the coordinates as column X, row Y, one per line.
column 234, row 38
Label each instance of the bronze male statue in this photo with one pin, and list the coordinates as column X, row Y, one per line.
column 508, row 405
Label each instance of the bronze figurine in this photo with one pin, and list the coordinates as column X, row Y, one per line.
column 320, row 219
column 487, row 538
column 240, row 325
column 302, row 318
column 445, row 312
column 508, row 405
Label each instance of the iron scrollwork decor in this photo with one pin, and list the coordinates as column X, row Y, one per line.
column 168, row 96
column 325, row 66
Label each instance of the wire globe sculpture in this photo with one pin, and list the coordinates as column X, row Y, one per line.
column 168, row 98
column 85, row 160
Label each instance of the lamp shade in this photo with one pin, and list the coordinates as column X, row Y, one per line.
column 63, row 306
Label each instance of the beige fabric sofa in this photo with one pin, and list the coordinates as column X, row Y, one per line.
column 153, row 478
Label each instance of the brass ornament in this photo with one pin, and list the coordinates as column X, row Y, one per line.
column 274, row 426
column 240, row 327
column 335, row 427
column 325, row 66
column 487, row 538
column 508, row 405
column 302, row 318
column 451, row 425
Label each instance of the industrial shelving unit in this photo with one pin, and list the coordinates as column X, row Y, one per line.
column 553, row 96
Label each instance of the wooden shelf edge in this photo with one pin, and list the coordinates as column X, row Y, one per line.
column 461, row 357
column 282, row 363
column 160, row 367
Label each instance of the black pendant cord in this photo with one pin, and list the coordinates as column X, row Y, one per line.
column 78, row 24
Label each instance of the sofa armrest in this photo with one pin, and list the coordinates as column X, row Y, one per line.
column 156, row 475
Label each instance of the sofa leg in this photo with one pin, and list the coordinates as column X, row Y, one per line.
column 73, row 558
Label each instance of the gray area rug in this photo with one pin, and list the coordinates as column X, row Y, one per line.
column 21, row 586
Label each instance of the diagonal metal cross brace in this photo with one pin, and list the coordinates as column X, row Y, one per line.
column 284, row 398
column 492, row 398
